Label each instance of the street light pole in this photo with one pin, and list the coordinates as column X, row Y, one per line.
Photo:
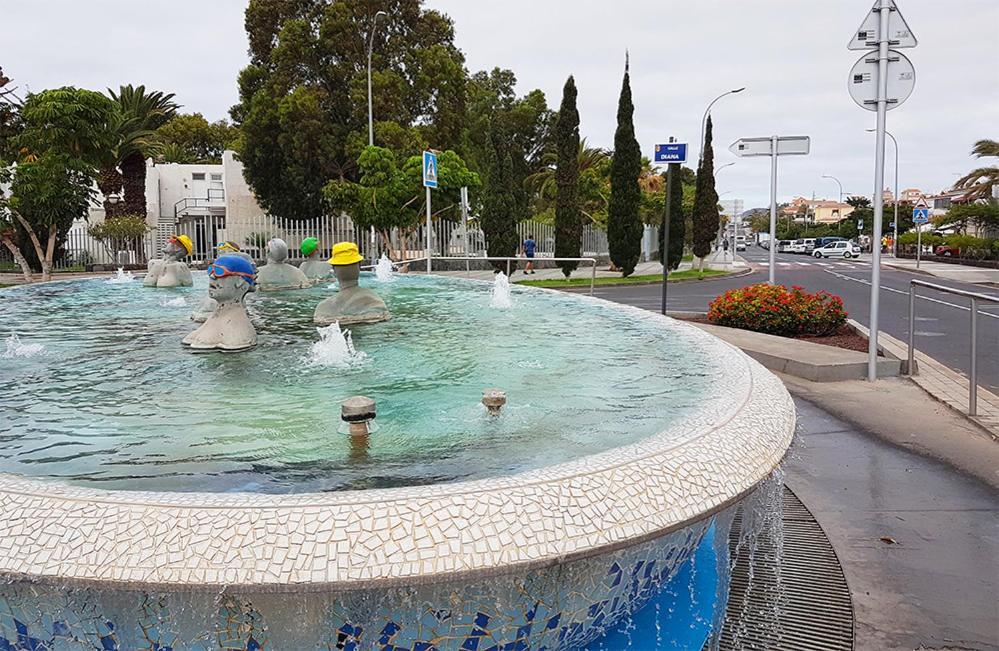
column 830, row 176
column 704, row 121
column 371, row 119
column 732, row 247
column 894, row 244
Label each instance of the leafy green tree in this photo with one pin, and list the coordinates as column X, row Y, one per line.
column 303, row 98
column 983, row 215
column 624, row 227
column 568, row 220
column 705, row 217
column 497, row 216
column 137, row 116
column 190, row 138
column 65, row 132
column 677, row 222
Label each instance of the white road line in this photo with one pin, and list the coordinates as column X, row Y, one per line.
column 919, row 296
column 805, row 264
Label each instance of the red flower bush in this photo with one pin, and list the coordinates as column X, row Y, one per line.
column 777, row 310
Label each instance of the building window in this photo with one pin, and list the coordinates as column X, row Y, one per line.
column 216, row 177
column 198, row 176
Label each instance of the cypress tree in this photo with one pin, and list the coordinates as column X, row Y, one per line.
column 677, row 220
column 624, row 227
column 568, row 219
column 499, row 223
column 705, row 217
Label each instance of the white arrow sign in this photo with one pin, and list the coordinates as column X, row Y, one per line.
column 899, row 34
column 786, row 146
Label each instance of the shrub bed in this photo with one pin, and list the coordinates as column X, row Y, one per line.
column 777, row 310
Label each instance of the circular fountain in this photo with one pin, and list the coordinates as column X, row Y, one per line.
column 152, row 498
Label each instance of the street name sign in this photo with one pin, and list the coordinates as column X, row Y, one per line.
column 673, row 152
column 863, row 80
column 786, row 146
column 899, row 34
column 429, row 169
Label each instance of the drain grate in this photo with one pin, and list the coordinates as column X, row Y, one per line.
column 800, row 602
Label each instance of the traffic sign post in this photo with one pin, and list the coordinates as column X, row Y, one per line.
column 920, row 215
column 880, row 80
column 672, row 154
column 429, row 181
column 773, row 147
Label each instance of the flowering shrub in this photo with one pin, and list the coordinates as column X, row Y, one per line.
column 777, row 310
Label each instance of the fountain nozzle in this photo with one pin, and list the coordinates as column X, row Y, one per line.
column 494, row 399
column 357, row 412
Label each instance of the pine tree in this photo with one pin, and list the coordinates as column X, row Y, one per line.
column 677, row 220
column 568, row 218
column 499, row 223
column 624, row 227
column 705, row 217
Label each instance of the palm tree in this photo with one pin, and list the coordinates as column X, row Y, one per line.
column 980, row 182
column 139, row 114
column 543, row 181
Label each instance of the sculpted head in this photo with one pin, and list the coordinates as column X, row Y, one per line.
column 231, row 278
column 310, row 247
column 277, row 250
column 178, row 247
column 346, row 263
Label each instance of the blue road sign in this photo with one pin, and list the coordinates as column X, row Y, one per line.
column 920, row 215
column 429, row 169
column 674, row 152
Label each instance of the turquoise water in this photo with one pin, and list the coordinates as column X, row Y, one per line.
column 112, row 400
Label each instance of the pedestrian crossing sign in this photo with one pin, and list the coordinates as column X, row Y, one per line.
column 920, row 215
column 429, row 169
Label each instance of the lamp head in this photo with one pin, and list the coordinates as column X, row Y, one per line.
column 739, row 90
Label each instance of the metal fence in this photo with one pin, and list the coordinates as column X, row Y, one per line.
column 251, row 234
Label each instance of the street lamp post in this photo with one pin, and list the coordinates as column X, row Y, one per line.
column 830, row 176
column 704, row 120
column 371, row 119
column 732, row 242
column 894, row 243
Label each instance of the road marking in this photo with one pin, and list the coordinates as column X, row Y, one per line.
column 805, row 264
column 919, row 296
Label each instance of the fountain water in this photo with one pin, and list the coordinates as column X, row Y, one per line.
column 174, row 302
column 120, row 277
column 383, row 270
column 501, row 293
column 334, row 348
column 16, row 348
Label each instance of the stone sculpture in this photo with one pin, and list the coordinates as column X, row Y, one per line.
column 277, row 274
column 352, row 304
column 228, row 328
column 169, row 271
column 207, row 305
column 315, row 268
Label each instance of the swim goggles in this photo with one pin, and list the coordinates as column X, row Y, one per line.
column 218, row 271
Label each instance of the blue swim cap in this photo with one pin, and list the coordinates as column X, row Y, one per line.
column 234, row 265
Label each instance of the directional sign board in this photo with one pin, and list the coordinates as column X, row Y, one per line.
column 786, row 146
column 920, row 215
column 673, row 152
column 899, row 34
column 429, row 169
column 863, row 81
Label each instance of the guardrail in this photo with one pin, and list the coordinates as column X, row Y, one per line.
column 975, row 298
column 469, row 258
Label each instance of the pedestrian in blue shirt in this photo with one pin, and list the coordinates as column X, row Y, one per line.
column 529, row 246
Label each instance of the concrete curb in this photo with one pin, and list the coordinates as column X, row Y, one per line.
column 804, row 359
column 942, row 383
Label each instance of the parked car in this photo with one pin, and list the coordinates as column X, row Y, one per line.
column 797, row 246
column 947, row 251
column 784, row 246
column 809, row 244
column 837, row 249
column 822, row 241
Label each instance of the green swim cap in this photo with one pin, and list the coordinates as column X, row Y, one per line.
column 309, row 246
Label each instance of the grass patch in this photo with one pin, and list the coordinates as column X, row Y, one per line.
column 630, row 280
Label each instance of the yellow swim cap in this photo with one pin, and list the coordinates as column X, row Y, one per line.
column 345, row 253
column 185, row 242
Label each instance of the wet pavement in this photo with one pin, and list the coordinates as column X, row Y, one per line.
column 918, row 541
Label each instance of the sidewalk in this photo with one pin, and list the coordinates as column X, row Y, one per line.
column 961, row 273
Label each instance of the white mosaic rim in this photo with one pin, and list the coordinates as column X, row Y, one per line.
column 361, row 539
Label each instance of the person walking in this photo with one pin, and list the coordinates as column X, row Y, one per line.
column 529, row 247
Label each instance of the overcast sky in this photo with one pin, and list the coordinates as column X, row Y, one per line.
column 790, row 54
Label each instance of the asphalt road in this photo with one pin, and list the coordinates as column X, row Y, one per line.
column 942, row 320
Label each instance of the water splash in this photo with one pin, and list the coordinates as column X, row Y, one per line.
column 383, row 270
column 174, row 302
column 501, row 293
column 120, row 277
column 17, row 348
column 335, row 348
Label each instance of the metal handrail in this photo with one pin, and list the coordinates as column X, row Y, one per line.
column 975, row 297
column 593, row 262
